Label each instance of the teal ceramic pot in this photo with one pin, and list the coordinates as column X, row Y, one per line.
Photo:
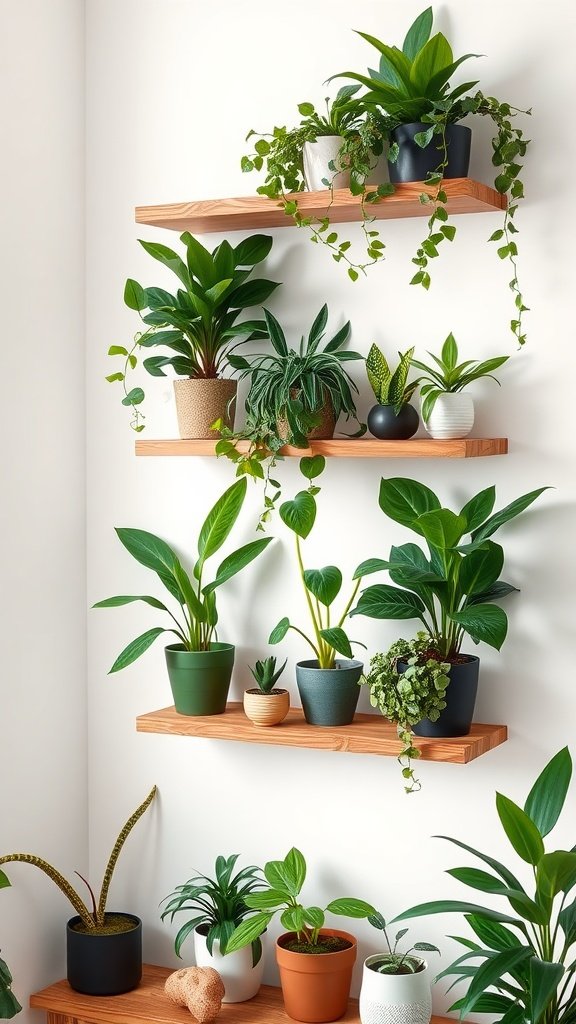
column 200, row 680
column 329, row 695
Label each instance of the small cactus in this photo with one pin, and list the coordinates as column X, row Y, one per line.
column 266, row 674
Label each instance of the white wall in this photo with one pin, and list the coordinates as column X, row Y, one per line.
column 42, row 511
column 173, row 87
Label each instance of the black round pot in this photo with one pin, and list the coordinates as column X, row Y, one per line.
column 386, row 425
column 414, row 162
column 457, row 716
column 104, row 965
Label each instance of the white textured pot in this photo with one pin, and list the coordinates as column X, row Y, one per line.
column 240, row 979
column 452, row 416
column 316, row 156
column 394, row 998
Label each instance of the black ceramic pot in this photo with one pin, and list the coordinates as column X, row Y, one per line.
column 457, row 716
column 384, row 424
column 414, row 162
column 104, row 965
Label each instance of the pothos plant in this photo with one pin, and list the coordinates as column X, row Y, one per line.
column 9, row 1005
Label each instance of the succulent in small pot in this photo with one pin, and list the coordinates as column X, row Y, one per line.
column 197, row 327
column 396, row 986
column 199, row 668
column 393, row 418
column 446, row 412
column 265, row 704
column 9, row 1005
column 104, row 948
column 215, row 907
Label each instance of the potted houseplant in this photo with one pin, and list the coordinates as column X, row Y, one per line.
column 422, row 113
column 315, row 962
column 396, row 986
column 104, row 948
column 446, row 410
column 520, row 963
column 214, row 908
column 9, row 1005
column 451, row 588
column 392, row 418
column 199, row 668
column 196, row 327
column 265, row 704
column 328, row 686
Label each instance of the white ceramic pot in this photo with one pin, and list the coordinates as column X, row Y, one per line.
column 394, row 998
column 240, row 979
column 452, row 416
column 316, row 156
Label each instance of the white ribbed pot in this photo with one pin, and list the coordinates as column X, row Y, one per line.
column 394, row 998
column 240, row 979
column 452, row 416
column 316, row 156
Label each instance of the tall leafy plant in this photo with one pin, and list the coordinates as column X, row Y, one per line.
column 521, row 963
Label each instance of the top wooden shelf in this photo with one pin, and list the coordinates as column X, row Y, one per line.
column 255, row 212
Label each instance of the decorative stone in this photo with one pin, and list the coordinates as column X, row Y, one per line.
column 199, row 988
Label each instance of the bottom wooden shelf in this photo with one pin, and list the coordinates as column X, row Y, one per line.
column 148, row 1003
column 368, row 734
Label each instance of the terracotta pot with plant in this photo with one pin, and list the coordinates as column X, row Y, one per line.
column 266, row 704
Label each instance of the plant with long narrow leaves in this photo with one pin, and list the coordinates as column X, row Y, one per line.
column 321, row 586
column 198, row 323
column 9, row 1005
column 526, row 952
column 266, row 674
column 216, row 906
column 390, row 387
column 94, row 919
column 196, row 626
column 393, row 962
column 281, row 896
column 449, row 376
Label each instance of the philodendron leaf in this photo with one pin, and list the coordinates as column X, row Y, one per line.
column 279, row 631
column 441, row 527
column 314, row 916
column 312, row 466
column 299, row 514
column 385, row 602
column 477, row 510
column 336, row 637
column 295, row 867
column 134, row 295
column 546, row 798
column 324, row 583
column 485, row 622
column 405, row 501
column 287, row 875
column 520, row 829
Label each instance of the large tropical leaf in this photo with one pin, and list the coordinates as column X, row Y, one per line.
column 485, row 622
column 250, row 929
column 405, row 501
column 152, row 552
column 252, row 250
column 556, row 873
column 480, row 569
column 385, row 602
column 496, row 866
column 441, row 528
column 435, row 55
column 299, row 514
column 336, row 638
column 457, row 907
column 492, row 971
column 117, row 602
column 492, row 933
column 544, row 980
column 520, row 829
column 418, row 34
column 233, row 563
column 546, row 798
column 200, row 261
column 477, row 510
column 136, row 648
column 324, row 583
column 219, row 522
column 169, row 258
column 506, row 514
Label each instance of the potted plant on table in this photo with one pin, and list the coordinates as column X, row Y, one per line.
column 328, row 686
column 393, row 418
column 451, row 588
column 200, row 669
column 197, row 327
column 524, row 951
column 9, row 1005
column 315, row 962
column 215, row 908
column 396, row 986
column 104, row 948
column 446, row 411
column 265, row 704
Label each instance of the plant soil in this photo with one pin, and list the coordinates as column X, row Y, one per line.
column 269, row 693
column 402, row 970
column 451, row 659
column 113, row 925
column 325, row 944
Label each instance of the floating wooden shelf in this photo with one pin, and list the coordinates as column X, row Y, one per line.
column 360, row 448
column 368, row 734
column 148, row 1003
column 249, row 213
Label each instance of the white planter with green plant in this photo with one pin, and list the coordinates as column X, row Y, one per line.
column 396, row 986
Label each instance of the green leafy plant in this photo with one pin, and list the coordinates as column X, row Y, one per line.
column 9, row 1005
column 390, row 388
column 280, row 152
column 198, row 324
column 217, row 905
column 93, row 920
column 197, row 600
column 451, row 587
column 321, row 586
column 405, row 698
column 393, row 962
column 526, row 966
column 450, row 376
column 412, row 84
column 285, row 881
column 266, row 674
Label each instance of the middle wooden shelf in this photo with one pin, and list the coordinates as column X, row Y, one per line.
column 357, row 448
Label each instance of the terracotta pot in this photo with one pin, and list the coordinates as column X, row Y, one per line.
column 316, row 986
column 324, row 429
column 266, row 708
column 202, row 401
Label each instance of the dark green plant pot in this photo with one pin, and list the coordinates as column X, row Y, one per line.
column 329, row 695
column 104, row 965
column 456, row 719
column 200, row 680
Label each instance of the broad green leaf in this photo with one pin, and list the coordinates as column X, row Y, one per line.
column 134, row 397
column 546, row 798
column 250, row 929
column 286, row 874
column 134, row 295
column 485, row 882
column 479, row 508
column 4, row 882
column 136, row 648
column 485, row 622
column 506, row 514
column 434, row 55
column 450, row 352
column 336, row 637
column 480, row 569
column 349, row 907
column 117, row 602
column 385, row 602
column 169, row 258
column 152, row 552
column 299, row 514
column 492, row 933
column 441, row 528
column 545, row 978
column 279, row 631
column 567, row 922
column 418, row 34
column 496, row 866
column 405, row 501
column 200, row 262
column 490, row 1002
column 520, row 829
column 457, row 907
column 293, row 919
column 266, row 900
column 324, row 584
column 312, row 466
column 556, row 873
column 252, row 250
column 314, row 916
column 251, row 293
column 236, row 561
column 219, row 522
column 491, row 972
column 296, row 867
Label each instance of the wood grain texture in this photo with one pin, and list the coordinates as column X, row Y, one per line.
column 148, row 1003
column 359, row 448
column 255, row 212
column 368, row 734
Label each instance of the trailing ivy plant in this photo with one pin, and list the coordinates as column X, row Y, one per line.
column 9, row 1005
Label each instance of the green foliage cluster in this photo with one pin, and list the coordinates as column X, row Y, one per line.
column 390, row 388
column 394, row 962
column 197, row 600
column 9, row 1005
column 266, row 674
column 217, row 905
column 448, row 375
column 285, row 881
column 525, row 952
